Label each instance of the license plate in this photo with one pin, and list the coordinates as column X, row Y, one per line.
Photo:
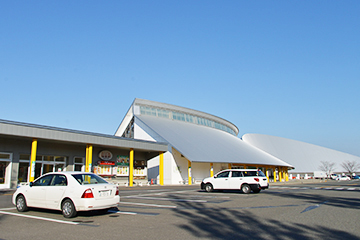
column 104, row 193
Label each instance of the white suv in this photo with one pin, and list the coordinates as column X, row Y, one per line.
column 237, row 179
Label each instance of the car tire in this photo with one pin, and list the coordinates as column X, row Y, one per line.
column 209, row 187
column 21, row 204
column 245, row 188
column 68, row 209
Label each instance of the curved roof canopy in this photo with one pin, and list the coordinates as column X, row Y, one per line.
column 304, row 156
column 200, row 143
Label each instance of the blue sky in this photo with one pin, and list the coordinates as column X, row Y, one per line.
column 283, row 68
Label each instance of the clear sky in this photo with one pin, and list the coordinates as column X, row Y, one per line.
column 283, row 68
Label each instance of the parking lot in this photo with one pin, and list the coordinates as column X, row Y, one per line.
column 308, row 210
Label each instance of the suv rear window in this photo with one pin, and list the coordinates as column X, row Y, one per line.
column 253, row 173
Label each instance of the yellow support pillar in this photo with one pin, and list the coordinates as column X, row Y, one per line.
column 33, row 160
column 131, row 167
column 211, row 169
column 189, row 173
column 274, row 174
column 88, row 164
column 287, row 175
column 280, row 175
column 245, row 166
column 87, row 157
column 161, row 168
column 229, row 165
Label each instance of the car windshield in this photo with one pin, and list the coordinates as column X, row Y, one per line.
column 88, row 179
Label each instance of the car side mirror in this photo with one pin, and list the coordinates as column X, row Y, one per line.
column 31, row 184
column 215, row 176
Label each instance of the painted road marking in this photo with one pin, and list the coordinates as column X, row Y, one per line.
column 12, row 208
column 318, row 188
column 39, row 218
column 120, row 212
column 313, row 207
column 168, row 199
column 150, row 205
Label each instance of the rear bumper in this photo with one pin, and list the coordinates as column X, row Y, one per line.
column 92, row 204
column 258, row 187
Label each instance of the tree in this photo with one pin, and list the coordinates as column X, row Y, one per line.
column 350, row 166
column 327, row 167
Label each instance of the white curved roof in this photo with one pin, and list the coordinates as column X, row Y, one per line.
column 200, row 143
column 303, row 156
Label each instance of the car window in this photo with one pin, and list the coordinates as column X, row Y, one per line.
column 236, row 174
column 59, row 180
column 250, row 173
column 223, row 174
column 88, row 179
column 253, row 174
column 43, row 181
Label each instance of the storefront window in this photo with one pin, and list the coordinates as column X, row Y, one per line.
column 79, row 164
column 5, row 159
column 23, row 172
column 3, row 166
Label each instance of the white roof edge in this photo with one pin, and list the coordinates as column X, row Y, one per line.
column 187, row 110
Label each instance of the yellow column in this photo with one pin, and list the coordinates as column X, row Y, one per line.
column 189, row 173
column 89, row 150
column 245, row 166
column 229, row 165
column 161, row 168
column 211, row 169
column 280, row 174
column 87, row 158
column 287, row 175
column 33, row 160
column 274, row 174
column 131, row 167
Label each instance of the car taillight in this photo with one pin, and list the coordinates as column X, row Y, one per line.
column 88, row 194
column 256, row 179
column 117, row 191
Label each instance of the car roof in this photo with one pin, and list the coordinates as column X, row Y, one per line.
column 68, row 172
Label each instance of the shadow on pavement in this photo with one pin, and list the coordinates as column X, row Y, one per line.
column 223, row 223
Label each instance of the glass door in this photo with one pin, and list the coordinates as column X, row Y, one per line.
column 47, row 168
column 59, row 167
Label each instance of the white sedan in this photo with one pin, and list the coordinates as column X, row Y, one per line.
column 69, row 192
column 343, row 178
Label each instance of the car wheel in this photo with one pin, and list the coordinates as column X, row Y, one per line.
column 209, row 187
column 21, row 204
column 245, row 188
column 68, row 209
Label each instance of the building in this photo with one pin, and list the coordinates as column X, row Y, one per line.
column 199, row 143
column 155, row 143
column 307, row 158
column 28, row 151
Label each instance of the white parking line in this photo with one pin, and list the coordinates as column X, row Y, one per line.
column 150, row 205
column 120, row 212
column 2, row 209
column 169, row 199
column 39, row 218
